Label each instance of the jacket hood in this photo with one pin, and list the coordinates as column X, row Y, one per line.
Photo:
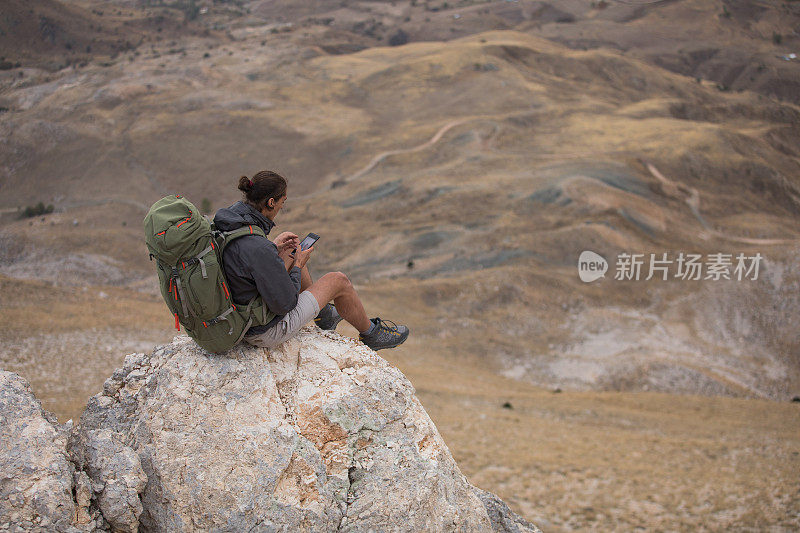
column 238, row 215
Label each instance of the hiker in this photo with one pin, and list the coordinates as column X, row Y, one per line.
column 255, row 266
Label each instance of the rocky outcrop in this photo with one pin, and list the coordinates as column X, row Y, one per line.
column 36, row 476
column 115, row 475
column 319, row 434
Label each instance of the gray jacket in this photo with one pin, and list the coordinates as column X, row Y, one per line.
column 252, row 265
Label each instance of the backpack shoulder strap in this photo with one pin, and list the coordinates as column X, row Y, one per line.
column 230, row 236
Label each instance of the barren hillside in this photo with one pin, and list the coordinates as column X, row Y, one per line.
column 456, row 158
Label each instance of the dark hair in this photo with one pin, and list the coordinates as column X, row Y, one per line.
column 263, row 186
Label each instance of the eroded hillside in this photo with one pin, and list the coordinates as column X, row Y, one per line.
column 455, row 176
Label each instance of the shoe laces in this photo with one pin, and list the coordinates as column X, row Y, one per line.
column 382, row 324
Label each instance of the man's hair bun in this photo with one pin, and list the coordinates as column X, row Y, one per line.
column 245, row 185
column 263, row 186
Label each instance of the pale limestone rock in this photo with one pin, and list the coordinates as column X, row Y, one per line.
column 319, row 434
column 35, row 472
column 115, row 476
column 83, row 498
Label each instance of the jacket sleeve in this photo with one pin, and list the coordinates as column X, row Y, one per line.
column 294, row 274
column 276, row 286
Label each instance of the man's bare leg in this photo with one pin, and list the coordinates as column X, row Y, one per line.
column 337, row 287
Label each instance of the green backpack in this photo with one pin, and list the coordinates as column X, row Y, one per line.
column 188, row 252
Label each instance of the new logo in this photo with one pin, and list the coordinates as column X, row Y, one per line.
column 591, row 266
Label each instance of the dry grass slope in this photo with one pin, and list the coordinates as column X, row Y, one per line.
column 456, row 179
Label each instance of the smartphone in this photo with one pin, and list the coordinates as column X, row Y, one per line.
column 308, row 242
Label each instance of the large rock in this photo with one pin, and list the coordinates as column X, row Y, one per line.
column 36, row 476
column 115, row 477
column 319, row 434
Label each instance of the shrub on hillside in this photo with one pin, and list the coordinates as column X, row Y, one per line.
column 399, row 38
column 36, row 210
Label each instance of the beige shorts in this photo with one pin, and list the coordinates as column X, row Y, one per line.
column 306, row 309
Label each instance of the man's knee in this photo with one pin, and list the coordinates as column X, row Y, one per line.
column 343, row 279
column 340, row 279
column 337, row 278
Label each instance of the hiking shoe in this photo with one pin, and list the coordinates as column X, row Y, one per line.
column 328, row 317
column 386, row 334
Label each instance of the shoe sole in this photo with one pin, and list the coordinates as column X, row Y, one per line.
column 330, row 328
column 390, row 346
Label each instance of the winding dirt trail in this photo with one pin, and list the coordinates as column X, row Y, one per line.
column 688, row 194
column 433, row 140
column 692, row 198
column 379, row 158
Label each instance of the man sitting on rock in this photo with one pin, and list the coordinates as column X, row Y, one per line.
column 256, row 266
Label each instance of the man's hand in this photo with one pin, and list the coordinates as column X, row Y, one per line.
column 285, row 253
column 288, row 259
column 301, row 256
column 286, row 241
